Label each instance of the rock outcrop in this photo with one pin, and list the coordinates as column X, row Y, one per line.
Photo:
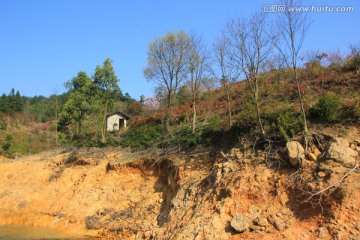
column 341, row 152
column 296, row 153
column 240, row 223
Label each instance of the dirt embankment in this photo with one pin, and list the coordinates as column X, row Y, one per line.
column 200, row 196
column 87, row 191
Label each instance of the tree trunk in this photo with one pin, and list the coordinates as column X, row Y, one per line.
column 56, row 122
column 194, row 116
column 167, row 114
column 78, row 127
column 256, row 97
column 259, row 118
column 103, row 124
column 229, row 105
column 301, row 102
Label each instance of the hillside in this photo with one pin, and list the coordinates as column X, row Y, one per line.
column 219, row 183
column 23, row 136
column 32, row 131
column 278, row 93
column 330, row 96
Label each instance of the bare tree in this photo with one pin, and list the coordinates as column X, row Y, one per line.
column 315, row 56
column 224, row 71
column 251, row 46
column 292, row 29
column 277, row 65
column 199, row 66
column 167, row 66
column 354, row 49
column 335, row 58
column 355, row 57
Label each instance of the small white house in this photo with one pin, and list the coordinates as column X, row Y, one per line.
column 115, row 121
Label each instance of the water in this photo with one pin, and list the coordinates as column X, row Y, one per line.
column 17, row 232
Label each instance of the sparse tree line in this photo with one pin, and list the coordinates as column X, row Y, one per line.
column 245, row 49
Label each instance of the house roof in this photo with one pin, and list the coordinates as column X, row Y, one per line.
column 118, row 113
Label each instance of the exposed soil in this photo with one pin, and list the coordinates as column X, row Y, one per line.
column 108, row 193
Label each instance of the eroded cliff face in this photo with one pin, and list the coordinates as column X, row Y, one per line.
column 106, row 193
column 87, row 191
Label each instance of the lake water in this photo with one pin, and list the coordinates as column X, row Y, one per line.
column 18, row 232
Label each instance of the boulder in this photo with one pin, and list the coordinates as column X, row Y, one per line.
column 296, row 152
column 308, row 163
column 312, row 157
column 340, row 152
column 228, row 167
column 316, row 151
column 240, row 223
column 353, row 145
column 279, row 225
column 261, row 221
column 148, row 235
column 321, row 174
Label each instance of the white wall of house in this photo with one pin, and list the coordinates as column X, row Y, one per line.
column 114, row 121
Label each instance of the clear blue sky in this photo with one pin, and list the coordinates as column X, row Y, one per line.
column 44, row 43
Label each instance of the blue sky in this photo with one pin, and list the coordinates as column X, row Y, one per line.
column 44, row 43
